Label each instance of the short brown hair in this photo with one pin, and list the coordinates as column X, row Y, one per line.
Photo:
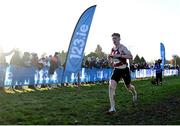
column 116, row 34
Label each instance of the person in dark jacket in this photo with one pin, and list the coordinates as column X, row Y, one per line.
column 158, row 70
column 54, row 63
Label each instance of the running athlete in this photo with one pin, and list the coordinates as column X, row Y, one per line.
column 118, row 56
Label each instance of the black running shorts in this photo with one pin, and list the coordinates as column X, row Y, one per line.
column 122, row 73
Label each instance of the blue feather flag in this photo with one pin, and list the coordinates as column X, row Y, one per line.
column 78, row 41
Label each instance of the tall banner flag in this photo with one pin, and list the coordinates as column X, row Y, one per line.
column 78, row 41
column 162, row 52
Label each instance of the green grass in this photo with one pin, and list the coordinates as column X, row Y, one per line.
column 88, row 104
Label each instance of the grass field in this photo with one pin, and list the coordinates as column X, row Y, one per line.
column 88, row 104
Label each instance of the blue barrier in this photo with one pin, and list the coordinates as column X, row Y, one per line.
column 16, row 75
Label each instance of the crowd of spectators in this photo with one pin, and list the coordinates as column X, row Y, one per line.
column 52, row 62
column 32, row 60
column 139, row 66
column 27, row 59
column 95, row 62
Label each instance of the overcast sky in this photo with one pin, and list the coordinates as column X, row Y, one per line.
column 47, row 25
